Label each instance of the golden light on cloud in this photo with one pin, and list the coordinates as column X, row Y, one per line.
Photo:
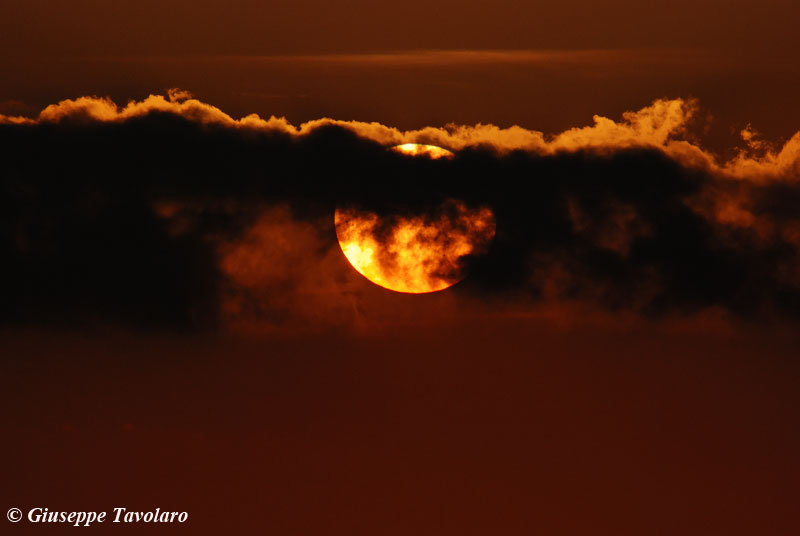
column 415, row 254
column 420, row 149
column 661, row 126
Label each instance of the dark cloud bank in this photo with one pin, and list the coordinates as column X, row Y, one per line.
column 129, row 221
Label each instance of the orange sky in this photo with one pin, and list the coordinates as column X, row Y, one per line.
column 559, row 63
column 150, row 27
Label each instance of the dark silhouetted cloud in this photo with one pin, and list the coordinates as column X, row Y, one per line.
column 170, row 214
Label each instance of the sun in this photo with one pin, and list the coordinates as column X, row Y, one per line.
column 414, row 254
column 419, row 149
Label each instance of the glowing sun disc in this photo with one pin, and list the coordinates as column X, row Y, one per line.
column 420, row 149
column 414, row 254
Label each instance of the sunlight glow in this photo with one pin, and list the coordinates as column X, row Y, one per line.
column 414, row 254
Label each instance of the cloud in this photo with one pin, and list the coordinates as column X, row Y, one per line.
column 651, row 126
column 661, row 125
column 168, row 213
column 281, row 269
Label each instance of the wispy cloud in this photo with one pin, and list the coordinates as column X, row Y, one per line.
column 452, row 57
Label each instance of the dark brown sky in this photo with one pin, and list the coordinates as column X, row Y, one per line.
column 463, row 428
column 149, row 27
column 737, row 58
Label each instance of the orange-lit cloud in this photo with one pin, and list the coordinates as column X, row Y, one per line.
column 662, row 125
column 281, row 268
column 612, row 213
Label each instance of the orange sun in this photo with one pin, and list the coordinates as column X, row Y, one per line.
column 414, row 254
column 419, row 149
column 419, row 253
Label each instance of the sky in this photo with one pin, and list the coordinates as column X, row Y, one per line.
column 565, row 61
column 203, row 211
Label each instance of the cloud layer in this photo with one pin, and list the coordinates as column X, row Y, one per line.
column 170, row 213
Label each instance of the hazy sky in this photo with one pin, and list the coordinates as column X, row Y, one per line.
column 736, row 57
column 149, row 27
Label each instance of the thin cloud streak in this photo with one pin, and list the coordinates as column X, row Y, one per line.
column 442, row 57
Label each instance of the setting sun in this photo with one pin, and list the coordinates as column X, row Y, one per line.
column 419, row 149
column 414, row 254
